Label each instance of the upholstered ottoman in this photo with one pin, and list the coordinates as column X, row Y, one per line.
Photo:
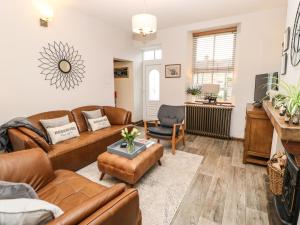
column 129, row 171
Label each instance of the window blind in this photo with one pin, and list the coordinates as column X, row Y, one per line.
column 214, row 59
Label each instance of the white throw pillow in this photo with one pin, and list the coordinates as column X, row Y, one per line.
column 62, row 133
column 56, row 122
column 99, row 123
column 27, row 211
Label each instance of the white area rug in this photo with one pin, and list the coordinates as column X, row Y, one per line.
column 162, row 188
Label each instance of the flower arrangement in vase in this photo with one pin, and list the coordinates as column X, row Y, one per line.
column 129, row 137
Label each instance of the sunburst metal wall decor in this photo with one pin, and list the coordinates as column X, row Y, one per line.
column 62, row 65
column 295, row 45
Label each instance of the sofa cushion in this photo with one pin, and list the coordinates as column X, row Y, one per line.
column 33, row 168
column 69, row 189
column 85, row 139
column 35, row 119
column 79, row 118
column 37, row 138
column 116, row 116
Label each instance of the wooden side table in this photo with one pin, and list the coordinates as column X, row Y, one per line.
column 258, row 136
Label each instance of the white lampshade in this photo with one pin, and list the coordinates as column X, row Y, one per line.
column 144, row 24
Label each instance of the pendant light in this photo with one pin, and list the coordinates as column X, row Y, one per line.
column 144, row 23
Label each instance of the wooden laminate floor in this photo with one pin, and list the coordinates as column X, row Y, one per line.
column 224, row 190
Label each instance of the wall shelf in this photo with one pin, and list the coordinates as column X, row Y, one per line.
column 287, row 132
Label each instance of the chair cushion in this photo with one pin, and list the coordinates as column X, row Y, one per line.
column 168, row 121
column 69, row 189
column 160, row 130
column 169, row 111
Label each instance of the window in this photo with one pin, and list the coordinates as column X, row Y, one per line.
column 214, row 59
column 154, row 54
column 154, row 85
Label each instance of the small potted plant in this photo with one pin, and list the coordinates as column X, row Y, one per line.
column 291, row 93
column 129, row 137
column 193, row 91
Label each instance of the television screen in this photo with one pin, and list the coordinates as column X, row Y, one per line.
column 263, row 83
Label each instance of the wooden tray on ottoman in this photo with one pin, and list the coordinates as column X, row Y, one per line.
column 130, row 170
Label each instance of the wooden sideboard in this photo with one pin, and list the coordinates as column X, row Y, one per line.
column 258, row 136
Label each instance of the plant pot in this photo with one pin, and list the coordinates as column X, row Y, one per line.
column 282, row 110
column 295, row 120
column 287, row 118
column 193, row 98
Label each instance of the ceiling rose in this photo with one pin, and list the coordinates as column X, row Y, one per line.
column 144, row 24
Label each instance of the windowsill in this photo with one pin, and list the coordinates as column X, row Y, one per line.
column 218, row 103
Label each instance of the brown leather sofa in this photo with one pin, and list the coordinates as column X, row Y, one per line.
column 78, row 152
column 83, row 201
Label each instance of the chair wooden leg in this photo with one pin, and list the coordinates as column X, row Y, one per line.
column 102, row 175
column 183, row 140
column 173, row 146
column 159, row 162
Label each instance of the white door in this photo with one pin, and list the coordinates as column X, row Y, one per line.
column 151, row 91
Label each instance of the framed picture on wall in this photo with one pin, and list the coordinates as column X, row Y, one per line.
column 121, row 72
column 284, row 60
column 173, row 71
column 286, row 40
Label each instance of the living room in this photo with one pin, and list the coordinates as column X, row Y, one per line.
column 135, row 113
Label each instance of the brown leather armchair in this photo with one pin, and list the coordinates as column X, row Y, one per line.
column 83, row 201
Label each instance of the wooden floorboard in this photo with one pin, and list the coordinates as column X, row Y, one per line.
column 225, row 191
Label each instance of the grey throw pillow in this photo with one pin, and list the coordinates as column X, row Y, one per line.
column 94, row 114
column 10, row 190
column 168, row 121
column 27, row 211
column 56, row 122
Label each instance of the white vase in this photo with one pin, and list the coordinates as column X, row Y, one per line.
column 193, row 98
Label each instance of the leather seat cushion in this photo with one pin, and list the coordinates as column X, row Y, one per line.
column 128, row 170
column 160, row 130
column 69, row 189
column 78, row 152
column 85, row 138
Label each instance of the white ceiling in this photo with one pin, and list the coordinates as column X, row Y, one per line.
column 170, row 12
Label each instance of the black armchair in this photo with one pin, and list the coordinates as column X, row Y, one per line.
column 169, row 126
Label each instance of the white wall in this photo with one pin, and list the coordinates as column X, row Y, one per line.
column 23, row 90
column 258, row 51
column 293, row 73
